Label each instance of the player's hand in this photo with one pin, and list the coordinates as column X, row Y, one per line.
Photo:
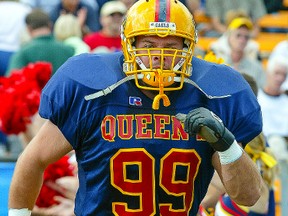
column 209, row 126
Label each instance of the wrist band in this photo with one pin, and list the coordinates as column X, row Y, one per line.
column 230, row 155
column 19, row 212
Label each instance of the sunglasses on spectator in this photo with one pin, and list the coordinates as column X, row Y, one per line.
column 116, row 13
column 245, row 36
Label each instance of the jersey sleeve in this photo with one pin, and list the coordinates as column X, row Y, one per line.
column 240, row 111
column 54, row 106
column 247, row 119
column 62, row 99
column 61, row 102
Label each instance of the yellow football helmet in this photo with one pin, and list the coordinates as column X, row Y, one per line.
column 158, row 18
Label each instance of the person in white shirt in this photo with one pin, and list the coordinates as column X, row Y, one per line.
column 274, row 103
column 12, row 16
column 281, row 49
column 238, row 49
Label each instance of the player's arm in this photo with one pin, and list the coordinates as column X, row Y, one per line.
column 237, row 171
column 48, row 146
column 241, row 179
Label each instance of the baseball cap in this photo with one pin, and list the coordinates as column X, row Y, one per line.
column 241, row 21
column 113, row 7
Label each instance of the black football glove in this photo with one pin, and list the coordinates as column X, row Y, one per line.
column 209, row 126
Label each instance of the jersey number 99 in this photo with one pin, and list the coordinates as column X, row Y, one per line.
column 144, row 186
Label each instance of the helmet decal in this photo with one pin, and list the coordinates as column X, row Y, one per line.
column 162, row 11
column 164, row 25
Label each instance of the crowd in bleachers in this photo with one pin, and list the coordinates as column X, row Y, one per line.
column 55, row 30
column 252, row 37
column 98, row 30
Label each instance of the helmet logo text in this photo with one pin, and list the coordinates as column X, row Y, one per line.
column 164, row 25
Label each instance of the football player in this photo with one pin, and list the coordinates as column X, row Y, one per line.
column 149, row 125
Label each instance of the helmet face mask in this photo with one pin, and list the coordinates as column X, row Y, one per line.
column 163, row 70
column 161, row 19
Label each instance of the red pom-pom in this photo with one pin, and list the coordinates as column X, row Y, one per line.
column 20, row 96
column 54, row 171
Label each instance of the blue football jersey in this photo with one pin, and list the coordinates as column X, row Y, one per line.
column 134, row 160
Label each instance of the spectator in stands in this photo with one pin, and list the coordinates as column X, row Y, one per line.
column 68, row 30
column 274, row 103
column 222, row 47
column 108, row 38
column 239, row 51
column 87, row 16
column 281, row 49
column 217, row 10
column 12, row 16
column 43, row 46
